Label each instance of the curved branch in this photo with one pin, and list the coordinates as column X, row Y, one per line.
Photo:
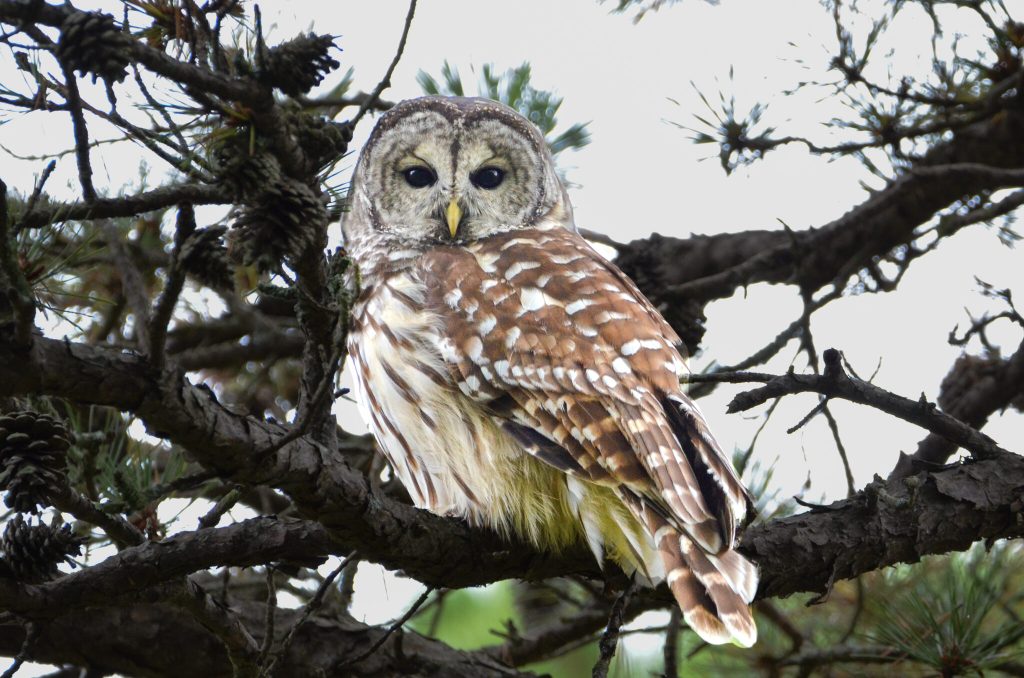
column 982, row 156
column 972, row 391
column 898, row 522
column 146, row 639
column 835, row 383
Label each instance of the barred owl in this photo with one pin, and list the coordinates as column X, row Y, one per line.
column 515, row 378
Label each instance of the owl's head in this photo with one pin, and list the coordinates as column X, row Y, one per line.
column 439, row 170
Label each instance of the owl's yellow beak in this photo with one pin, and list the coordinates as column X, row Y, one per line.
column 454, row 216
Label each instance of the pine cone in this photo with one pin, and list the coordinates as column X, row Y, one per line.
column 205, row 257
column 321, row 140
column 286, row 220
column 32, row 460
column 90, row 42
column 299, row 65
column 33, row 552
column 243, row 174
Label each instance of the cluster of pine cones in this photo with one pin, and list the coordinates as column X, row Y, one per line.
column 33, row 449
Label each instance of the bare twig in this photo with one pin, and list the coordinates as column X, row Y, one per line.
column 268, row 620
column 121, row 531
column 337, row 104
column 126, row 206
column 385, row 82
column 162, row 110
column 671, row 649
column 223, row 505
column 833, row 425
column 397, row 625
column 610, row 638
column 36, row 192
column 835, row 383
column 598, row 237
column 31, row 633
column 818, row 409
column 858, row 609
column 267, row 669
column 164, row 306
column 844, row 654
column 347, row 587
column 81, row 130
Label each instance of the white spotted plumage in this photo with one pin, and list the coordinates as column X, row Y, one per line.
column 515, row 378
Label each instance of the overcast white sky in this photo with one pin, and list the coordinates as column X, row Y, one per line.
column 642, row 175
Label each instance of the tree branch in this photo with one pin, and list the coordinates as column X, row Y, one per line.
column 125, row 206
column 446, row 553
column 680, row 273
column 835, row 383
column 972, row 391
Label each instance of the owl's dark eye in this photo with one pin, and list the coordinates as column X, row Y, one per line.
column 488, row 177
column 419, row 177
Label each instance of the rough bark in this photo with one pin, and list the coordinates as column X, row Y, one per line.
column 898, row 521
column 973, row 391
column 155, row 640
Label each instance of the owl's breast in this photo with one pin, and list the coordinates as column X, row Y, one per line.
column 446, row 448
column 450, row 451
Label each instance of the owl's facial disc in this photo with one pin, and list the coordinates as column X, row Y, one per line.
column 499, row 179
column 457, row 170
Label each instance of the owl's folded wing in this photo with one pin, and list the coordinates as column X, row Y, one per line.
column 584, row 373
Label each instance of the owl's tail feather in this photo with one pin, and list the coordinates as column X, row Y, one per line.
column 732, row 606
column 713, row 591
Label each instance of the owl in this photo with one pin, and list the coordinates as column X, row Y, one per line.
column 515, row 378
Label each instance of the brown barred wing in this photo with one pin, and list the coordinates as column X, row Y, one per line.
column 585, row 374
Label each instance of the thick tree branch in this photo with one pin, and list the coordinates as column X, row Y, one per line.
column 972, row 391
column 318, row 480
column 676, row 272
column 948, row 510
column 129, row 640
column 900, row 521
